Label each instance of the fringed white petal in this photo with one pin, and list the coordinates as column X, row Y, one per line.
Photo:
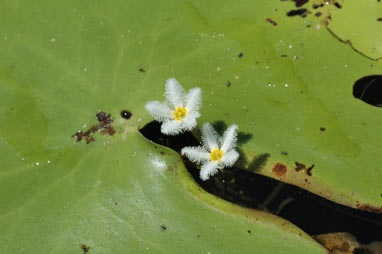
column 174, row 93
column 189, row 121
column 208, row 169
column 229, row 158
column 194, row 99
column 229, row 138
column 159, row 111
column 196, row 154
column 172, row 127
column 209, row 137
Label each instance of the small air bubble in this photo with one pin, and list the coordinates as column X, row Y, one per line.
column 48, row 161
column 297, row 129
column 37, row 163
column 286, row 85
column 236, row 77
column 218, row 68
column 134, row 154
column 85, row 69
column 290, row 46
column 53, row 40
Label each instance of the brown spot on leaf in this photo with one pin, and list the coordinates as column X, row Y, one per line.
column 279, row 169
column 104, row 127
column 338, row 242
column 369, row 208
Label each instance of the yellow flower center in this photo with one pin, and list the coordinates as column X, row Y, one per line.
column 180, row 113
column 216, row 154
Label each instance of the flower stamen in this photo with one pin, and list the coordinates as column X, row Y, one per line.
column 216, row 154
column 180, row 113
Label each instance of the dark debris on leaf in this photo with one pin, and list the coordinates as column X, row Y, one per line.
column 299, row 12
column 126, row 114
column 104, row 126
column 299, row 3
column 85, row 249
column 271, row 21
column 301, row 166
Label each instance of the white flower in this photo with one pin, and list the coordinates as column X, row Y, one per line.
column 216, row 152
column 180, row 110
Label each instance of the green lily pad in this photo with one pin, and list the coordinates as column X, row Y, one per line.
column 359, row 24
column 292, row 91
column 62, row 63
